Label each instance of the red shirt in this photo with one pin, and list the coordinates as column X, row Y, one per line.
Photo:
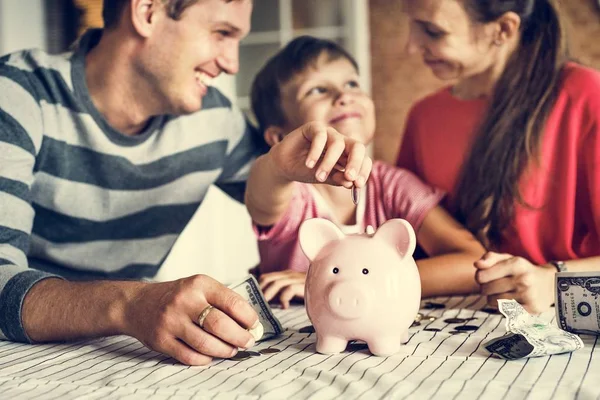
column 565, row 186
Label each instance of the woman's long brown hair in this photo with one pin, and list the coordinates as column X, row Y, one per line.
column 510, row 134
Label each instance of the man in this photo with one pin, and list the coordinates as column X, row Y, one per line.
column 106, row 153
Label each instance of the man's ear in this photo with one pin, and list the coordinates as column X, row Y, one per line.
column 274, row 135
column 143, row 15
column 508, row 26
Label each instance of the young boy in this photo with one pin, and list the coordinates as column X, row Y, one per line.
column 316, row 80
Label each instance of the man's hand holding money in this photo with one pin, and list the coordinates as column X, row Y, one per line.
column 192, row 319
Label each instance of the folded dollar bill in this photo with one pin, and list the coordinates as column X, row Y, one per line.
column 529, row 336
column 249, row 290
column 578, row 302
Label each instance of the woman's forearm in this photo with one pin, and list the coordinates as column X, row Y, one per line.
column 448, row 274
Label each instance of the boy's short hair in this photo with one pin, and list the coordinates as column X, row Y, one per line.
column 293, row 59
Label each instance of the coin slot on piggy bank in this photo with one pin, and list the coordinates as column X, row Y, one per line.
column 361, row 287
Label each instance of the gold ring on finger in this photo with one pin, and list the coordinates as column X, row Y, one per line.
column 203, row 315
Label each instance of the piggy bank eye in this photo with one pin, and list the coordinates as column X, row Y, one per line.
column 365, row 271
column 336, row 270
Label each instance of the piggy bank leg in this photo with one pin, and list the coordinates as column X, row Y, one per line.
column 384, row 346
column 404, row 338
column 330, row 344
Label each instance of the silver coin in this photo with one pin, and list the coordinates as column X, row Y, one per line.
column 307, row 329
column 356, row 347
column 269, row 350
column 490, row 310
column 466, row 328
column 455, row 320
column 429, row 318
column 241, row 356
column 355, row 195
column 430, row 305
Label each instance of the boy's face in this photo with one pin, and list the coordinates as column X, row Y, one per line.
column 329, row 91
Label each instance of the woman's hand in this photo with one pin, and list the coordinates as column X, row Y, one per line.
column 286, row 285
column 504, row 276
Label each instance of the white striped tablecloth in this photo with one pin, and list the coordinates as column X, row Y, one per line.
column 432, row 365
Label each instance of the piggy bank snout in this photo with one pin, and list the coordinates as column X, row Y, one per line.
column 348, row 300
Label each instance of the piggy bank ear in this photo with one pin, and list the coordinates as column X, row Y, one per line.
column 317, row 233
column 399, row 234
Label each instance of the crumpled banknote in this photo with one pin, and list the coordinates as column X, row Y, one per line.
column 529, row 336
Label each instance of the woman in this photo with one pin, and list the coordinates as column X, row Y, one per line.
column 515, row 141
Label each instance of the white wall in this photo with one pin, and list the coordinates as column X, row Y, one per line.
column 218, row 242
column 22, row 25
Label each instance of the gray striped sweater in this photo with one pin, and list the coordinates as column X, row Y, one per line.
column 81, row 200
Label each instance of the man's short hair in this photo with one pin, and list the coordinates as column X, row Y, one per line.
column 113, row 9
column 294, row 58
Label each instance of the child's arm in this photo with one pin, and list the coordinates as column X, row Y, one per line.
column 452, row 251
column 307, row 154
column 267, row 194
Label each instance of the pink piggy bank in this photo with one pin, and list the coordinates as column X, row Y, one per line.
column 361, row 287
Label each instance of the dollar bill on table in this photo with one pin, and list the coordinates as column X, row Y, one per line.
column 578, row 302
column 529, row 336
column 249, row 290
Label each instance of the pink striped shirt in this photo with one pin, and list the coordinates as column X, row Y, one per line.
column 391, row 192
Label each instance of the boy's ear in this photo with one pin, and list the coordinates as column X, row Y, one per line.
column 273, row 135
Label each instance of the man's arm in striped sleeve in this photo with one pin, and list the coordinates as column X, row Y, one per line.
column 20, row 138
column 33, row 308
